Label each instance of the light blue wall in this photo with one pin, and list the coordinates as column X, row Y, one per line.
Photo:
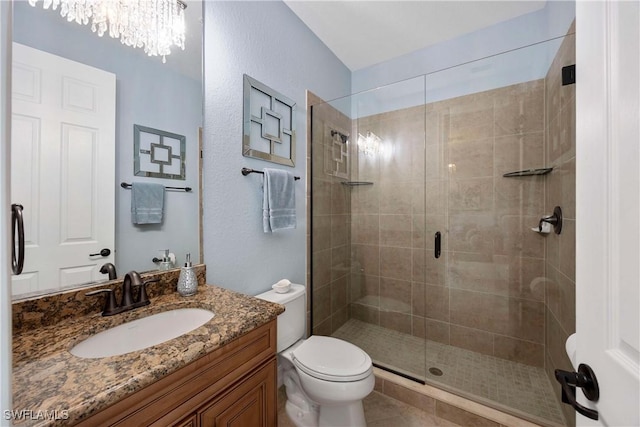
column 269, row 43
column 148, row 93
column 517, row 65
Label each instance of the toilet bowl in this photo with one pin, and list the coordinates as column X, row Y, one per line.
column 325, row 378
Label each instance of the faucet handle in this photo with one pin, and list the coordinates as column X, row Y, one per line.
column 143, row 299
column 110, row 306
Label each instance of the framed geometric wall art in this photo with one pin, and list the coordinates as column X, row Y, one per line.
column 158, row 154
column 269, row 124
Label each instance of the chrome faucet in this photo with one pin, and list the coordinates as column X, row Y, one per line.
column 131, row 279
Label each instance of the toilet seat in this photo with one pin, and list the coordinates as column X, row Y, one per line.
column 331, row 359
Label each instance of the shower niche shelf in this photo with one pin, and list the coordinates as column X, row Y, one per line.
column 355, row 183
column 528, row 172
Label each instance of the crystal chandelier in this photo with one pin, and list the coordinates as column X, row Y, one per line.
column 154, row 25
column 370, row 145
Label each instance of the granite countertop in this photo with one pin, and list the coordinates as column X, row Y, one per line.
column 48, row 381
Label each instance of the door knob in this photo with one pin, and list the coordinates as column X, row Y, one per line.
column 586, row 380
column 103, row 253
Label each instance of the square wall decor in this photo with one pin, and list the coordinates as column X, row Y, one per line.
column 269, row 124
column 158, row 154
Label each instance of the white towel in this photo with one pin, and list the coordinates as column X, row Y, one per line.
column 147, row 203
column 279, row 200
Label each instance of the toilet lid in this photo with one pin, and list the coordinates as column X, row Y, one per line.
column 332, row 359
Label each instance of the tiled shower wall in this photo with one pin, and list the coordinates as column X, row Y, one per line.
column 486, row 292
column 560, row 256
column 442, row 171
column 330, row 241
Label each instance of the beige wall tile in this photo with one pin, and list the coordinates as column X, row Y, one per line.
column 321, row 305
column 321, row 268
column 471, row 194
column 396, row 230
column 400, row 322
column 365, row 229
column 340, row 199
column 472, row 158
column 472, row 118
column 472, row 339
column 567, row 239
column 519, row 108
column 418, row 327
column 365, row 286
column 365, row 313
column 395, row 295
column 561, row 299
column 339, row 318
column 321, row 232
column 340, row 225
column 395, row 197
column 321, row 197
column 438, row 331
column 365, row 199
column 418, row 299
column 514, row 237
column 339, row 289
column 519, row 351
column 506, row 316
column 472, row 232
column 395, row 262
column 436, row 303
column 519, row 152
column 555, row 343
column 340, row 262
column 522, row 196
column 366, row 259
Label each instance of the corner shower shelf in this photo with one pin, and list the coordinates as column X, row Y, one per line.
column 528, row 172
column 355, row 183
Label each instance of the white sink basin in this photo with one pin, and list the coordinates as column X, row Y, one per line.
column 142, row 333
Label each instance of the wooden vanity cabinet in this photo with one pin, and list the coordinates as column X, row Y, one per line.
column 233, row 386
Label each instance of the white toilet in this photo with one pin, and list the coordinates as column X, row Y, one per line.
column 325, row 378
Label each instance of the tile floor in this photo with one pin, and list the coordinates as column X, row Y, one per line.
column 513, row 385
column 381, row 411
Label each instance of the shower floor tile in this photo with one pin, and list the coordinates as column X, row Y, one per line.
column 520, row 387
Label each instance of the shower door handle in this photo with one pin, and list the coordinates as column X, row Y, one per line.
column 436, row 244
column 17, row 222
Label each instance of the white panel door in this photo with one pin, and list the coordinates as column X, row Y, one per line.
column 608, row 207
column 62, row 168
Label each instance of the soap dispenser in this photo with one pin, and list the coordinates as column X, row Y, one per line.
column 166, row 263
column 187, row 282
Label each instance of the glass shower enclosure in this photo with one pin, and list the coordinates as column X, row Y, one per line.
column 424, row 253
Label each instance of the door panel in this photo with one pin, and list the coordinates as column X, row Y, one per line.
column 608, row 207
column 63, row 167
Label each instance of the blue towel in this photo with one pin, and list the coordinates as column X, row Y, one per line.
column 147, row 203
column 279, row 200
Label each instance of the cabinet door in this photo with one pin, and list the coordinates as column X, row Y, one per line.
column 250, row 403
column 190, row 421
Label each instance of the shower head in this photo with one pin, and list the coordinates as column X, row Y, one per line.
column 344, row 138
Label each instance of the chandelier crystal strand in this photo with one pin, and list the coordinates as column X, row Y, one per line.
column 153, row 25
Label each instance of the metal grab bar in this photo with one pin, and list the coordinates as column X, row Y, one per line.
column 17, row 263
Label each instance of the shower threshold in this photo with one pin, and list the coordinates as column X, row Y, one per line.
column 523, row 389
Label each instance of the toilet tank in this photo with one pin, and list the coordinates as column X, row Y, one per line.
column 291, row 323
